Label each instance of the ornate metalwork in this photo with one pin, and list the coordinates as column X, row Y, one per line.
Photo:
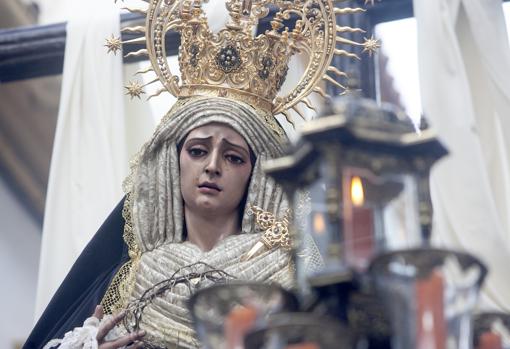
column 228, row 59
column 235, row 64
column 276, row 232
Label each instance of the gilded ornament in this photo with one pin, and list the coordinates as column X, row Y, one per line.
column 371, row 45
column 228, row 59
column 234, row 63
column 194, row 51
column 275, row 232
column 134, row 89
column 113, row 44
column 267, row 64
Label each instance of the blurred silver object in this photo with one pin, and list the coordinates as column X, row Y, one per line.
column 299, row 331
column 222, row 314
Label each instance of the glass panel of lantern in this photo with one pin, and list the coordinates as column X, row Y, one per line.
column 356, row 212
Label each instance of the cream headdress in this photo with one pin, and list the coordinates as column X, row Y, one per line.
column 234, row 63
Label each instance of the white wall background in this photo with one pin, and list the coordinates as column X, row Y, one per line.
column 20, row 240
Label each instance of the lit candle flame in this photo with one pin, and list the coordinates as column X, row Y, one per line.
column 319, row 225
column 357, row 194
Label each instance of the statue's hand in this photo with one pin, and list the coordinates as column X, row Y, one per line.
column 132, row 339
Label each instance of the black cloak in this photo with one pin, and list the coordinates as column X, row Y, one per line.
column 85, row 284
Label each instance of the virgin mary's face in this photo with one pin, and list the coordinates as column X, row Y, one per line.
column 214, row 168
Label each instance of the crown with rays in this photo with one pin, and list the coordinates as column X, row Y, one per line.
column 236, row 64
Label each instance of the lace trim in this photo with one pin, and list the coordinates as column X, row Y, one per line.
column 85, row 337
column 123, row 282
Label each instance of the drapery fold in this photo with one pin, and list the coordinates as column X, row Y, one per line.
column 93, row 143
column 464, row 62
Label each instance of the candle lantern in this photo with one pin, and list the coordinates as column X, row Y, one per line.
column 358, row 178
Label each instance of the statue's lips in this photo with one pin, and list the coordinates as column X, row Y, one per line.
column 208, row 187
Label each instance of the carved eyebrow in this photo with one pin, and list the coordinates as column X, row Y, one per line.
column 199, row 139
column 237, row 146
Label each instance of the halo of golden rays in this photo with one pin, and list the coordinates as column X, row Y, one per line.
column 320, row 51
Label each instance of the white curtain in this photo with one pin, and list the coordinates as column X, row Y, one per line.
column 464, row 63
column 94, row 140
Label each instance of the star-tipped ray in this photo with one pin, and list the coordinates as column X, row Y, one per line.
column 150, row 82
column 134, row 89
column 371, row 45
column 140, row 40
column 342, row 40
column 113, row 44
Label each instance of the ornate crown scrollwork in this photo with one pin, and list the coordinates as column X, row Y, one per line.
column 236, row 64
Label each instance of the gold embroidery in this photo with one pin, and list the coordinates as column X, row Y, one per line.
column 123, row 282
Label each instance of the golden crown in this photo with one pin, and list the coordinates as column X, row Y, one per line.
column 236, row 64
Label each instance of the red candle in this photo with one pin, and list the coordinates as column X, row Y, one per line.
column 359, row 225
column 431, row 325
column 238, row 323
column 489, row 340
